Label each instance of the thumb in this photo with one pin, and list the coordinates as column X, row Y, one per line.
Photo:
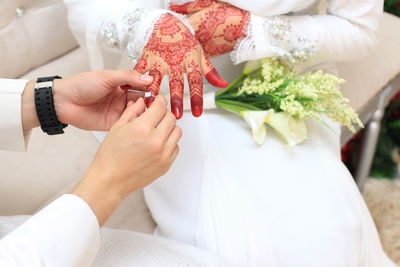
column 191, row 7
column 132, row 111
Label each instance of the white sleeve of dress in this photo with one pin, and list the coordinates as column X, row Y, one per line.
column 119, row 26
column 65, row 233
column 11, row 133
column 346, row 32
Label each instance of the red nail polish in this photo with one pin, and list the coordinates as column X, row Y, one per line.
column 183, row 9
column 216, row 80
column 148, row 101
column 126, row 87
column 177, row 106
column 197, row 106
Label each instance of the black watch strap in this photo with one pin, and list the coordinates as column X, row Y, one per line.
column 45, row 110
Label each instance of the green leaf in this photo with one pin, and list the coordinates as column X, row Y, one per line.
column 233, row 85
column 234, row 106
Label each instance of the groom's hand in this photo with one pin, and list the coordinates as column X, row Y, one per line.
column 94, row 100
column 140, row 147
column 173, row 50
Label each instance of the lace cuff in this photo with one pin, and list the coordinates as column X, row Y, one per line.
column 279, row 37
column 129, row 27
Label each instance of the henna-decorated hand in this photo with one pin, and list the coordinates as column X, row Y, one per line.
column 219, row 26
column 172, row 50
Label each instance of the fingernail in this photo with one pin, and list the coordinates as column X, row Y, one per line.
column 183, row 9
column 126, row 87
column 146, row 78
column 216, row 80
column 197, row 106
column 148, row 101
column 177, row 106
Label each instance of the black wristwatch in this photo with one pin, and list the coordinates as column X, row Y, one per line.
column 45, row 106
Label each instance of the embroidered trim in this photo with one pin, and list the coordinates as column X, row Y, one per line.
column 279, row 41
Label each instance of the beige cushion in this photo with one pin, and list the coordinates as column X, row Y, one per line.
column 29, row 179
column 67, row 65
column 37, row 35
column 367, row 76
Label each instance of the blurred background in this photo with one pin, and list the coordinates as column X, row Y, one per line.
column 35, row 41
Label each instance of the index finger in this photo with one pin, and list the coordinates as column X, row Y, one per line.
column 127, row 78
column 156, row 112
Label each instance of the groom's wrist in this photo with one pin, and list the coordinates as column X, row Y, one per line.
column 59, row 99
column 101, row 197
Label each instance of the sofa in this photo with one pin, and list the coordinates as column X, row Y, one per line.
column 35, row 41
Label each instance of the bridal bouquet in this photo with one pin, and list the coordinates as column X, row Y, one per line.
column 269, row 92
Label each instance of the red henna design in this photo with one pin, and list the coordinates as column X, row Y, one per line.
column 219, row 27
column 160, row 43
column 232, row 33
column 172, row 46
column 154, row 87
column 209, row 65
column 141, row 66
column 168, row 26
column 176, row 90
column 196, row 89
column 224, row 35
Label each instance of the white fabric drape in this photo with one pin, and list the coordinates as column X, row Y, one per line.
column 268, row 205
column 300, row 37
column 65, row 233
column 121, row 27
column 12, row 136
column 117, row 248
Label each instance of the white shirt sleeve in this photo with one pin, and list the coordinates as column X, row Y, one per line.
column 65, row 233
column 11, row 133
column 105, row 27
column 346, row 32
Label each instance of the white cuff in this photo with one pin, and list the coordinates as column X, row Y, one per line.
column 278, row 37
column 65, row 233
column 129, row 27
column 11, row 132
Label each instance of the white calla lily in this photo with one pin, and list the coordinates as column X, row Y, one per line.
column 255, row 119
column 251, row 66
column 293, row 130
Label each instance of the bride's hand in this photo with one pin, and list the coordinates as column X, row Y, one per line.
column 173, row 50
column 218, row 25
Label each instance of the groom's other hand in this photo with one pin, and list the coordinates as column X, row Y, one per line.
column 94, row 100
column 140, row 147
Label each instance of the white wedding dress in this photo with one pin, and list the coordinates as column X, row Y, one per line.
column 256, row 205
